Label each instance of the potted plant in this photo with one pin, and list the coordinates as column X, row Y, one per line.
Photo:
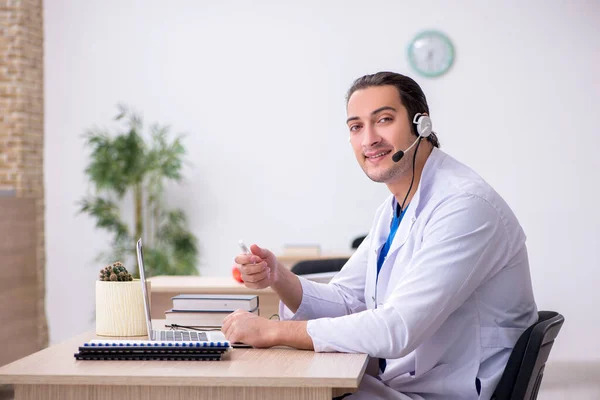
column 128, row 172
column 119, row 303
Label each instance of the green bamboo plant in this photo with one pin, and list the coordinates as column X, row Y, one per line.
column 124, row 166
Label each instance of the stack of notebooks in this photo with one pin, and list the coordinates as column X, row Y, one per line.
column 208, row 310
column 151, row 350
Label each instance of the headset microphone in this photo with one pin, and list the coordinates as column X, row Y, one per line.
column 423, row 127
column 399, row 154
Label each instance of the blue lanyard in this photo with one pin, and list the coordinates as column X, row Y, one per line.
column 388, row 243
column 383, row 254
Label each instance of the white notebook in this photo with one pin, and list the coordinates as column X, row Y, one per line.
column 215, row 302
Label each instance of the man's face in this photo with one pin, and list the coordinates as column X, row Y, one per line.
column 379, row 126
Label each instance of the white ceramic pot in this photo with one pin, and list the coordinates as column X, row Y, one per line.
column 120, row 308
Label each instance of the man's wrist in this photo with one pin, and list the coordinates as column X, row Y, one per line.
column 293, row 334
column 289, row 288
column 278, row 278
column 276, row 333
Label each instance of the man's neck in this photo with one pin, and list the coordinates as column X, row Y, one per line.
column 400, row 187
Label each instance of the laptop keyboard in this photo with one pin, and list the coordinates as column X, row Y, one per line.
column 182, row 336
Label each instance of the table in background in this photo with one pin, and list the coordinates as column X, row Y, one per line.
column 278, row 373
column 163, row 288
column 289, row 260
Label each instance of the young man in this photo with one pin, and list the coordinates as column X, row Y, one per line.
column 438, row 292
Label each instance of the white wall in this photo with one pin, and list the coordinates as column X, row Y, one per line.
column 259, row 87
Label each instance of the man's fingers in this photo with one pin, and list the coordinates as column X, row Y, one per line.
column 226, row 324
column 251, row 269
column 255, row 278
column 263, row 283
column 255, row 249
column 243, row 259
column 229, row 324
column 234, row 331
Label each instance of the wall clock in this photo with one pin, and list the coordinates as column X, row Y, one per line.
column 431, row 53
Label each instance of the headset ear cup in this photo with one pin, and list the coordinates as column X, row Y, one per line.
column 423, row 125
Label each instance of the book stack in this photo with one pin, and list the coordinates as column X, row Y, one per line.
column 208, row 310
column 151, row 350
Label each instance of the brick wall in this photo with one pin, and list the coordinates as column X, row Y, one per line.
column 22, row 123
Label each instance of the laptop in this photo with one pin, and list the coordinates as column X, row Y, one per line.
column 169, row 335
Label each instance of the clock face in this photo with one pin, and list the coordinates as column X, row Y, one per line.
column 431, row 53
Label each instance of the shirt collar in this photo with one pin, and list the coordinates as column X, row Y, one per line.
column 431, row 164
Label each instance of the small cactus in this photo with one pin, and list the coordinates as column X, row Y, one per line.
column 115, row 272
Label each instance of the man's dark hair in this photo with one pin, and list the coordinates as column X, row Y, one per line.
column 411, row 95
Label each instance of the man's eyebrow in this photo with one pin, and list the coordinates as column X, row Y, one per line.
column 380, row 109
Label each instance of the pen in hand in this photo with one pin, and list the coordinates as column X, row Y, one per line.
column 246, row 250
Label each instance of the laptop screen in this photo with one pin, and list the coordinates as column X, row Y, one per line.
column 140, row 260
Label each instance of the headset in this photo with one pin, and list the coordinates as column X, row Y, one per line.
column 423, row 124
column 423, row 129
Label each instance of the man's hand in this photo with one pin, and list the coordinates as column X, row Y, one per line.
column 259, row 269
column 248, row 328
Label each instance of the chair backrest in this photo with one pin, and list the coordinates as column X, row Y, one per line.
column 357, row 241
column 316, row 266
column 525, row 368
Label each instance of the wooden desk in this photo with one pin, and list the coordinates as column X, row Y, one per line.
column 163, row 288
column 245, row 374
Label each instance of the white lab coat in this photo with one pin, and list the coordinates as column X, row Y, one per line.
column 453, row 295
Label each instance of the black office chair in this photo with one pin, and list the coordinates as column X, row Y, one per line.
column 316, row 266
column 357, row 241
column 525, row 368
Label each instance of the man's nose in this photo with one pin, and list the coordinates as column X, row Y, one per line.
column 370, row 137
